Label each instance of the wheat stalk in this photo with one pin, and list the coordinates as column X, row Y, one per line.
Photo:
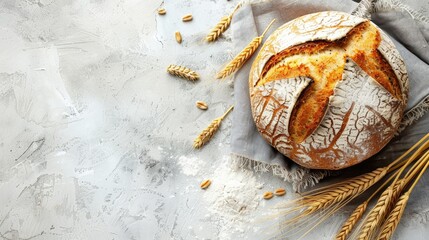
column 392, row 221
column 243, row 56
column 351, row 221
column 390, row 196
column 208, row 132
column 183, row 72
column 222, row 26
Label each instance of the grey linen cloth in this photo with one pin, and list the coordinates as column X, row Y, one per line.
column 410, row 35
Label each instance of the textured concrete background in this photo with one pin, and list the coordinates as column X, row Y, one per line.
column 93, row 129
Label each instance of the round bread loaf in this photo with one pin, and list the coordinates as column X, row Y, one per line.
column 328, row 90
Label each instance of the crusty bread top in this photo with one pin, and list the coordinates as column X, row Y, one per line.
column 323, row 62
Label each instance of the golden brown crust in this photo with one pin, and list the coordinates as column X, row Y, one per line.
column 323, row 62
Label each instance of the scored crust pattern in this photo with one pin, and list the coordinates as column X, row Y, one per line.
column 361, row 116
column 392, row 56
column 319, row 26
column 275, row 102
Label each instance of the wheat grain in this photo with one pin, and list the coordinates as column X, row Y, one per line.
column 208, row 132
column 394, row 217
column 205, row 184
column 187, row 18
column 162, row 11
column 221, row 26
column 201, row 105
column 183, row 72
column 280, row 192
column 238, row 61
column 178, row 37
column 351, row 221
column 268, row 195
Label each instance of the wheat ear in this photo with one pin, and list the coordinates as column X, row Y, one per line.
column 351, row 221
column 357, row 214
column 395, row 215
column 337, row 195
column 346, row 190
column 389, row 197
column 183, row 72
column 208, row 132
column 222, row 26
column 379, row 212
column 243, row 56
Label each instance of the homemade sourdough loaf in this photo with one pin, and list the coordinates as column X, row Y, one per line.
column 328, row 90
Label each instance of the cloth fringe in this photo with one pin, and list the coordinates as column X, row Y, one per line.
column 364, row 9
column 412, row 115
column 367, row 7
column 301, row 178
column 388, row 5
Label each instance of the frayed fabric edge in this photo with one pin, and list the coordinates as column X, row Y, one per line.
column 366, row 7
column 387, row 5
column 414, row 114
column 301, row 178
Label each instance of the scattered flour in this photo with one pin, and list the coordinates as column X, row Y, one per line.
column 233, row 197
column 191, row 166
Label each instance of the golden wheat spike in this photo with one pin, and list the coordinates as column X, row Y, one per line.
column 217, row 30
column 392, row 221
column 357, row 214
column 208, row 132
column 346, row 190
column 335, row 197
column 389, row 197
column 379, row 212
column 183, row 72
column 351, row 221
column 394, row 217
column 376, row 214
column 243, row 56
column 221, row 26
